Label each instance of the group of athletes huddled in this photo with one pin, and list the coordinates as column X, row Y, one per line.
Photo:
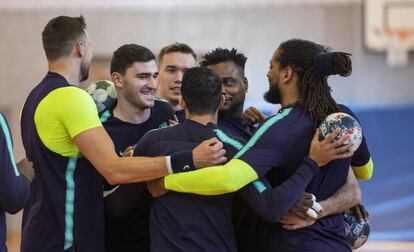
column 175, row 164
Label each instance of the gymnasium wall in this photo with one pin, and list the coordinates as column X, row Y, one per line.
column 380, row 95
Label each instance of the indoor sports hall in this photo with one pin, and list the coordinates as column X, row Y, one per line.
column 378, row 33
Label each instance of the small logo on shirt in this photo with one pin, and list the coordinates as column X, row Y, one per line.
column 163, row 125
column 186, row 167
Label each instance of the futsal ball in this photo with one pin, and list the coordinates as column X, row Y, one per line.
column 349, row 127
column 103, row 93
column 356, row 232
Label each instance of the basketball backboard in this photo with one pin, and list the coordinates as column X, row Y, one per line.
column 382, row 17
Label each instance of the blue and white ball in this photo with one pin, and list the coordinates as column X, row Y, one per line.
column 357, row 233
column 103, row 93
column 349, row 126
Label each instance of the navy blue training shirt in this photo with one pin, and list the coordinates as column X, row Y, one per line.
column 65, row 208
column 180, row 115
column 127, row 206
column 235, row 126
column 293, row 132
column 14, row 188
column 189, row 222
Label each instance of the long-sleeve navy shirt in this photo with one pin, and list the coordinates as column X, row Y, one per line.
column 188, row 222
column 127, row 206
column 14, row 188
column 293, row 133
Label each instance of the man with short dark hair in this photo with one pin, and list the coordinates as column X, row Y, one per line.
column 173, row 61
column 134, row 73
column 189, row 222
column 65, row 140
column 229, row 65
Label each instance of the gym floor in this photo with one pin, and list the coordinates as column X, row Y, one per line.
column 371, row 246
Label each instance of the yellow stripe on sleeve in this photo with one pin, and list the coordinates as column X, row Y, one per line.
column 364, row 172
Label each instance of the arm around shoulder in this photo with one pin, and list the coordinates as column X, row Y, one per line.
column 96, row 145
column 212, row 180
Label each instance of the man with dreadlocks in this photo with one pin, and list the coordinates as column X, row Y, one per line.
column 297, row 77
column 298, row 81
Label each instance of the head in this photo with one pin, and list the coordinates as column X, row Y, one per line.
column 201, row 91
column 229, row 65
column 301, row 68
column 67, row 37
column 134, row 73
column 173, row 61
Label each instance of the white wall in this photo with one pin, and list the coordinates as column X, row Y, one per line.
column 255, row 31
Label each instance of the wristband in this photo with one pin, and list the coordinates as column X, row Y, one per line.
column 182, row 161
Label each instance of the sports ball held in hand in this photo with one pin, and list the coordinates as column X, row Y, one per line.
column 349, row 126
column 356, row 232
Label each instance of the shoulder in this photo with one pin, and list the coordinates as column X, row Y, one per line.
column 170, row 132
column 347, row 110
column 70, row 97
column 154, row 137
column 72, row 92
column 163, row 107
column 286, row 127
column 162, row 133
column 232, row 144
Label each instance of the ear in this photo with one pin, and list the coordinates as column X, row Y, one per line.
column 222, row 99
column 117, row 80
column 246, row 84
column 287, row 74
column 80, row 48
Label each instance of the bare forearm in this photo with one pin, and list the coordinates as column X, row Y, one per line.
column 98, row 148
column 346, row 197
column 134, row 169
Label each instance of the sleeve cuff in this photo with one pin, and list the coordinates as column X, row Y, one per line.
column 168, row 163
column 182, row 161
column 311, row 164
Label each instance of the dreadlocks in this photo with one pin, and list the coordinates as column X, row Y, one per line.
column 313, row 64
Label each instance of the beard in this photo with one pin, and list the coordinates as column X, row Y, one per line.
column 272, row 95
column 84, row 71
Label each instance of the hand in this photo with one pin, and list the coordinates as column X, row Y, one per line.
column 209, row 153
column 174, row 121
column 323, row 152
column 128, row 152
column 25, row 168
column 302, row 205
column 156, row 187
column 360, row 213
column 293, row 222
column 252, row 115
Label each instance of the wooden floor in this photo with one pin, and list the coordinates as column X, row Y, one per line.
column 371, row 246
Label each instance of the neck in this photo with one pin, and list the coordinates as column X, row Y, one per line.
column 236, row 112
column 130, row 113
column 290, row 98
column 202, row 119
column 67, row 68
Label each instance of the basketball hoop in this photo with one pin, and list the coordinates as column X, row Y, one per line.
column 397, row 43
